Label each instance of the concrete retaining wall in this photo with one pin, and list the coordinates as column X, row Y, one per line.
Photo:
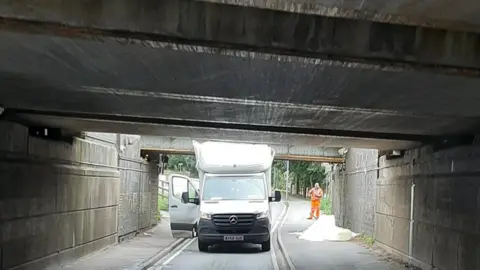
column 354, row 191
column 58, row 201
column 138, row 192
column 338, row 196
column 443, row 231
column 393, row 204
column 446, row 207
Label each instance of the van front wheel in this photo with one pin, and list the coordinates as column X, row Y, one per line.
column 266, row 246
column 202, row 246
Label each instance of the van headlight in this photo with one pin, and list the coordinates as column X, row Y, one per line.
column 262, row 215
column 205, row 215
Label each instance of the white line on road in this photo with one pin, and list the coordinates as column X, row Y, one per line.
column 280, row 242
column 187, row 244
column 272, row 252
column 274, row 260
column 279, row 218
column 287, row 209
column 153, row 260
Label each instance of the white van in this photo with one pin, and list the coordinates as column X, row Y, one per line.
column 232, row 203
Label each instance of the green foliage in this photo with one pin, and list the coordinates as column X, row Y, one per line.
column 302, row 173
column 279, row 175
column 162, row 205
column 326, row 206
column 182, row 163
column 367, row 240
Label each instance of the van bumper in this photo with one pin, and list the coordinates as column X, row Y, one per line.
column 258, row 233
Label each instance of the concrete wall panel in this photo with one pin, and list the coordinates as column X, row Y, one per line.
column 85, row 226
column 356, row 207
column 68, row 254
column 384, row 229
column 135, row 203
column 25, row 190
column 153, row 182
column 445, row 206
column 468, row 252
column 29, row 239
column 401, row 231
column 109, row 139
column 424, row 237
column 77, row 192
column 338, row 196
column 13, row 138
column 55, row 197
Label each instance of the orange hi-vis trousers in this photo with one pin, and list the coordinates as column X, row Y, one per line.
column 315, row 210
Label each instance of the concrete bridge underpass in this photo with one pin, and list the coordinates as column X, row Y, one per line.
column 245, row 65
column 396, row 75
column 154, row 145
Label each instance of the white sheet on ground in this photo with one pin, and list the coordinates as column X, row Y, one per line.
column 324, row 229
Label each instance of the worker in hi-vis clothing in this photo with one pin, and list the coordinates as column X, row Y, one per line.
column 316, row 195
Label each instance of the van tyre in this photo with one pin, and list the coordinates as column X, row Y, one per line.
column 202, row 247
column 266, row 246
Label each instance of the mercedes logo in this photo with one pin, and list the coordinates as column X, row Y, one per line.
column 233, row 220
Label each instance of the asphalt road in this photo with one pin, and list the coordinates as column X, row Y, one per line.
column 303, row 254
column 241, row 256
column 325, row 255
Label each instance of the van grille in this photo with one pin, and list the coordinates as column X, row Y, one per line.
column 223, row 224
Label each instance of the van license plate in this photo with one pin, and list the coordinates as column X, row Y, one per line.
column 233, row 238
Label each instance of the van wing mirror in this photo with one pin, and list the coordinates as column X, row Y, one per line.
column 187, row 199
column 276, row 198
column 196, row 201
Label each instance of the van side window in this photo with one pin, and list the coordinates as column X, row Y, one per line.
column 179, row 185
column 192, row 191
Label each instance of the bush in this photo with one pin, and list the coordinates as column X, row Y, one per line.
column 326, row 206
column 162, row 205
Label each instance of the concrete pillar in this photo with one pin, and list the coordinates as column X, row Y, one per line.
column 153, row 173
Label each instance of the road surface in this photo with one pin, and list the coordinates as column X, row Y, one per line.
column 242, row 256
column 303, row 254
column 325, row 255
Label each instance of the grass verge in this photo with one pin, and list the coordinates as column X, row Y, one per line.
column 162, row 206
column 326, row 206
column 365, row 239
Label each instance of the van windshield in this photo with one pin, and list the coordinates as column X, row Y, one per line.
column 234, row 188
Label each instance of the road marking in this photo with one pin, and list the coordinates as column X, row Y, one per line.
column 157, row 257
column 287, row 209
column 189, row 242
column 272, row 252
column 274, row 260
column 179, row 251
column 280, row 242
column 279, row 218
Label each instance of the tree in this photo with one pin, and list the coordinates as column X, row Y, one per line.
column 279, row 176
column 182, row 163
column 302, row 173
